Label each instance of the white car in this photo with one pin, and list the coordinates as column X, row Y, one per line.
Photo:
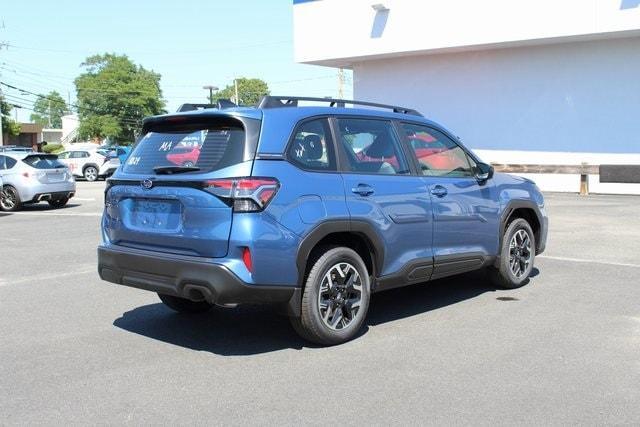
column 90, row 164
column 33, row 178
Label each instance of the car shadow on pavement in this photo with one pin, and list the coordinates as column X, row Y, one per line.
column 249, row 330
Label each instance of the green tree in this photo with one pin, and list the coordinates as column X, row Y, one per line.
column 114, row 95
column 49, row 109
column 250, row 91
column 9, row 126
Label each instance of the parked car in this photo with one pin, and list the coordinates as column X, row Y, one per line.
column 281, row 207
column 90, row 164
column 184, row 156
column 15, row 149
column 34, row 177
column 121, row 151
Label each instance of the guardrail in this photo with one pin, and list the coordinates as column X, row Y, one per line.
column 620, row 174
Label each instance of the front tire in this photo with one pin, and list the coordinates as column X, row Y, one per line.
column 9, row 199
column 517, row 256
column 90, row 173
column 336, row 298
column 183, row 305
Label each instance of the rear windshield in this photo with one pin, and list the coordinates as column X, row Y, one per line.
column 43, row 162
column 205, row 148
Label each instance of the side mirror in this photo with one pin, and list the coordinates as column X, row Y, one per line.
column 484, row 172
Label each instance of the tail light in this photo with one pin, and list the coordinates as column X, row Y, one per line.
column 244, row 194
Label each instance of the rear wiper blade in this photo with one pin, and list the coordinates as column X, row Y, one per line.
column 168, row 170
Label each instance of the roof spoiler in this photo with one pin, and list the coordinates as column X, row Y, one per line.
column 270, row 101
column 221, row 104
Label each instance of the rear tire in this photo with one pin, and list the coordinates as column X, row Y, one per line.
column 90, row 173
column 183, row 305
column 58, row 203
column 516, row 257
column 336, row 298
column 9, row 199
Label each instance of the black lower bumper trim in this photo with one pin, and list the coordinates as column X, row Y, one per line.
column 189, row 279
column 56, row 195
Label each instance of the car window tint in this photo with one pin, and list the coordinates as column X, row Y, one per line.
column 64, row 155
column 10, row 162
column 371, row 147
column 207, row 148
column 43, row 162
column 437, row 154
column 3, row 163
column 312, row 147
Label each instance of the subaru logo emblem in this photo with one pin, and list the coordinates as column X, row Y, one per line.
column 147, row 184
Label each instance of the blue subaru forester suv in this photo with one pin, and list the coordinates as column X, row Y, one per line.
column 312, row 208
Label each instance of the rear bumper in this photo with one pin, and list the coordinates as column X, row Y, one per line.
column 41, row 192
column 187, row 278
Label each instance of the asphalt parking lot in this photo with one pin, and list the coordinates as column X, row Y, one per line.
column 564, row 349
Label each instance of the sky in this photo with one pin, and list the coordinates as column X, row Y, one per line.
column 191, row 43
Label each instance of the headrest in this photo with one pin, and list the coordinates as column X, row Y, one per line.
column 312, row 145
column 382, row 147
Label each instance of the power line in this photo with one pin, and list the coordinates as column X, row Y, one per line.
column 124, row 119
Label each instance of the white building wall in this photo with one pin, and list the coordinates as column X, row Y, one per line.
column 579, row 97
column 564, row 97
column 337, row 32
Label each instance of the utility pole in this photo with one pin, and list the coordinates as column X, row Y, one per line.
column 211, row 89
column 235, row 84
column 341, row 83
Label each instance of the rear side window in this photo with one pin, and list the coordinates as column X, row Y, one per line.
column 205, row 148
column 7, row 162
column 43, row 162
column 312, row 147
column 371, row 147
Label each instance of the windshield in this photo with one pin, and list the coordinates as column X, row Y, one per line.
column 43, row 162
column 207, row 149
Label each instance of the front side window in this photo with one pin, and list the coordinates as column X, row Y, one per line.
column 64, row 155
column 371, row 147
column 437, row 154
column 78, row 154
column 312, row 147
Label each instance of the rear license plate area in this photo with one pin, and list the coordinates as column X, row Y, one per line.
column 157, row 215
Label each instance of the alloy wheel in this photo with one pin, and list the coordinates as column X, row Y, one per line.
column 340, row 296
column 91, row 174
column 520, row 253
column 8, row 198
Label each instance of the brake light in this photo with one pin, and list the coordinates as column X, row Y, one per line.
column 245, row 194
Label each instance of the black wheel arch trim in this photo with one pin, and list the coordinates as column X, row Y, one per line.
column 511, row 206
column 326, row 228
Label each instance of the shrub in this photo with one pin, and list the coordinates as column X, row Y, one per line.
column 53, row 148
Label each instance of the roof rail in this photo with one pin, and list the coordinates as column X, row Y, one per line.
column 271, row 101
column 220, row 104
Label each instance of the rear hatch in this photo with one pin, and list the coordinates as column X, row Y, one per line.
column 160, row 198
column 48, row 169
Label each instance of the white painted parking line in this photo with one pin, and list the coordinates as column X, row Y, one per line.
column 48, row 213
column 589, row 261
column 49, row 276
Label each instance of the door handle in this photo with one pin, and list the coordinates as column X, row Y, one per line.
column 439, row 191
column 363, row 190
